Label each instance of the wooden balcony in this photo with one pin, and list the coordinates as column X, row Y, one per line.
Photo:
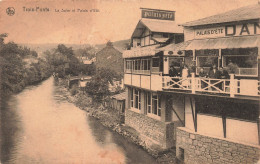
column 196, row 85
column 230, row 87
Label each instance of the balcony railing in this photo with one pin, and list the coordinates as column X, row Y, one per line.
column 208, row 85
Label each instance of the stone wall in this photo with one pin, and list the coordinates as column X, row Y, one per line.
column 153, row 132
column 203, row 149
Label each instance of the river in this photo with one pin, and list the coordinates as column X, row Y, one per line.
column 38, row 125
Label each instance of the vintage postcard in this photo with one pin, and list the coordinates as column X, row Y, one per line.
column 129, row 81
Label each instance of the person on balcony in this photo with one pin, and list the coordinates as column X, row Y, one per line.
column 224, row 75
column 214, row 73
column 203, row 74
column 173, row 73
column 185, row 74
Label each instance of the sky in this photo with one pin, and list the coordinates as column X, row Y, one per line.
column 112, row 20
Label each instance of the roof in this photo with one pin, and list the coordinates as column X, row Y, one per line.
column 120, row 96
column 141, row 51
column 175, row 47
column 240, row 14
column 155, row 25
column 160, row 40
column 225, row 43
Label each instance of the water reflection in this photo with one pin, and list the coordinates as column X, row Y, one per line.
column 40, row 126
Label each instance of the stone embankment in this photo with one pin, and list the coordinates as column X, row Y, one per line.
column 113, row 120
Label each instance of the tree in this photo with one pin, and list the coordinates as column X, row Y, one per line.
column 98, row 87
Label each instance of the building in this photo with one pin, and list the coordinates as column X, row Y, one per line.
column 110, row 58
column 118, row 102
column 221, row 116
column 208, row 119
column 143, row 77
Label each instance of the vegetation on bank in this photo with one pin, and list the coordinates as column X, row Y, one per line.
column 19, row 67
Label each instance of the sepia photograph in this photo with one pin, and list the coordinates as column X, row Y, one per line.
column 129, row 81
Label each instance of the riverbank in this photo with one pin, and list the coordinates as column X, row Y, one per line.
column 113, row 120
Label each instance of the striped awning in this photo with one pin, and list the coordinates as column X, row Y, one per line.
column 225, row 43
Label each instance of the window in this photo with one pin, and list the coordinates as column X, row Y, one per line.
column 135, row 99
column 153, row 104
column 155, row 65
column 206, row 62
column 128, row 66
column 136, row 65
column 145, row 66
column 141, row 66
column 246, row 65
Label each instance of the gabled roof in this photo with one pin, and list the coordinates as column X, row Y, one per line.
column 245, row 13
column 155, row 25
column 120, row 96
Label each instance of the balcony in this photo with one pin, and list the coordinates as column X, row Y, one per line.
column 231, row 87
column 196, row 85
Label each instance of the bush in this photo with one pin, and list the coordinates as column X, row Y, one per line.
column 74, row 90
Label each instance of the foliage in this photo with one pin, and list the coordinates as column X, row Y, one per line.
column 74, row 90
column 64, row 62
column 232, row 68
column 98, row 87
column 16, row 72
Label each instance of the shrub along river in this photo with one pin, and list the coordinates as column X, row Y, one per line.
column 38, row 125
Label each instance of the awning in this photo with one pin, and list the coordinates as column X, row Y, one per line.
column 160, row 40
column 225, row 43
column 141, row 52
column 173, row 49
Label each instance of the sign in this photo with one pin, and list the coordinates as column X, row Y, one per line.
column 228, row 30
column 210, row 33
column 158, row 14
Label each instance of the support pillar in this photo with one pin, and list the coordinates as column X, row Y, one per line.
column 166, row 65
column 164, row 109
column 143, row 102
column 232, row 85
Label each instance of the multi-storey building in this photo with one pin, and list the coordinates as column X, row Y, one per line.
column 208, row 118
column 145, row 67
column 222, row 123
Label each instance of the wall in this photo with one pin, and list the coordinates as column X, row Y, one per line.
column 152, row 131
column 188, row 34
column 111, row 58
column 204, row 149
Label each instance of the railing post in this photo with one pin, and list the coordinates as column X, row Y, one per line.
column 193, row 83
column 232, row 85
column 163, row 82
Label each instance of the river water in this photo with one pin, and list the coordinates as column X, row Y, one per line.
column 38, row 125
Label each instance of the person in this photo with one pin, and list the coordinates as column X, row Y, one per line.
column 173, row 73
column 223, row 73
column 181, row 68
column 185, row 74
column 203, row 74
column 214, row 73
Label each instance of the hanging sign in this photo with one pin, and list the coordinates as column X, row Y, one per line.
column 158, row 14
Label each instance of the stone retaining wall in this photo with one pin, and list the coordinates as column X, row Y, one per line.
column 153, row 132
column 203, row 149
